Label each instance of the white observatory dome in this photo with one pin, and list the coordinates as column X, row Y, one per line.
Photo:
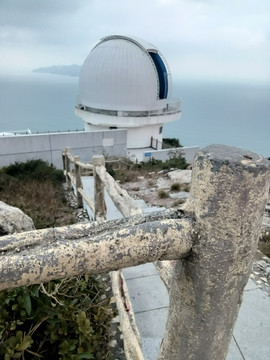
column 125, row 83
column 124, row 74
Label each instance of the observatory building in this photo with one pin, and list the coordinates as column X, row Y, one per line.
column 125, row 83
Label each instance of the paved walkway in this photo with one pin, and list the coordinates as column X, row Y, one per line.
column 149, row 298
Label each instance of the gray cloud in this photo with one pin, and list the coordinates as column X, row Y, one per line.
column 35, row 13
column 199, row 37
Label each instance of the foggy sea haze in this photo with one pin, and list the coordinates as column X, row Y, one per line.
column 236, row 114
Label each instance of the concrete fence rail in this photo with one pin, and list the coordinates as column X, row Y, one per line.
column 213, row 239
column 43, row 255
column 74, row 169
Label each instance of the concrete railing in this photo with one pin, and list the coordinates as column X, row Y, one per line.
column 74, row 169
column 170, row 107
column 212, row 239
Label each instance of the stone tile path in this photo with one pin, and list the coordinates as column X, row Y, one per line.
column 150, row 301
column 149, row 297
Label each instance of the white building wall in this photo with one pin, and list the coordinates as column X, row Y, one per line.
column 137, row 138
column 187, row 152
column 141, row 137
column 48, row 147
column 106, row 121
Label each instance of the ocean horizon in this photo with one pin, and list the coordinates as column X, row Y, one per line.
column 212, row 112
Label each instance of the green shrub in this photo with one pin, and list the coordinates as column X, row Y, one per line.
column 130, row 173
column 36, row 170
column 111, row 171
column 6, row 180
column 175, row 187
column 176, row 161
column 171, row 142
column 63, row 320
column 162, row 194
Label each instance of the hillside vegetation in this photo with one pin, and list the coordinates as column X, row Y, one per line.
column 65, row 319
column 37, row 189
column 128, row 171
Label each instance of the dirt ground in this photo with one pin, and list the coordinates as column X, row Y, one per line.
column 155, row 190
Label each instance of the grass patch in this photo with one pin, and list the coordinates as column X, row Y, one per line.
column 162, row 194
column 131, row 171
column 185, row 187
column 37, row 192
column 178, row 202
column 175, row 187
column 35, row 170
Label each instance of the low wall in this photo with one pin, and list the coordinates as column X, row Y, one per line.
column 187, row 152
column 48, row 147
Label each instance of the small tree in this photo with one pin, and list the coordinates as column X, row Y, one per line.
column 171, row 142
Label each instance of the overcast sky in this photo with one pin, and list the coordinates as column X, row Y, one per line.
column 212, row 39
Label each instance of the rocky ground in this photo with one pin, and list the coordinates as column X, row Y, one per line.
column 261, row 272
column 165, row 189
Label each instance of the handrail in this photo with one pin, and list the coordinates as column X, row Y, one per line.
column 170, row 107
column 73, row 170
column 124, row 203
column 213, row 239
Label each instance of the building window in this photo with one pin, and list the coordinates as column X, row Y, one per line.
column 113, row 127
column 161, row 129
column 162, row 75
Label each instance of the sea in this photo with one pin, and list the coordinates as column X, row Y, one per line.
column 236, row 114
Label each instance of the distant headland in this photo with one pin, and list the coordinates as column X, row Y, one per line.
column 71, row 70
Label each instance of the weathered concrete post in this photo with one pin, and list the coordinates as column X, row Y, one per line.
column 78, row 181
column 67, row 168
column 64, row 160
column 100, row 211
column 229, row 192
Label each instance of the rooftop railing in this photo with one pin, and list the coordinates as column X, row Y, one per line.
column 15, row 132
column 171, row 107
